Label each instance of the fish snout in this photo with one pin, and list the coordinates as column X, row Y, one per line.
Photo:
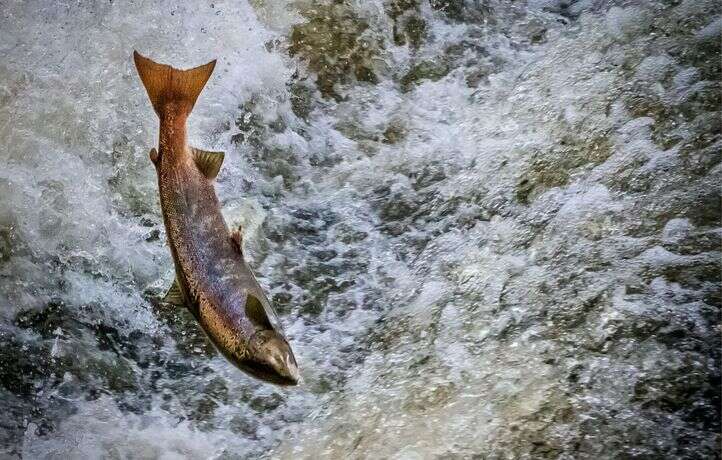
column 274, row 359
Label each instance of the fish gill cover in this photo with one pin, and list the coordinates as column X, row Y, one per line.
column 491, row 229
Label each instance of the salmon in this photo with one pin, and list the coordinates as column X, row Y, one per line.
column 212, row 279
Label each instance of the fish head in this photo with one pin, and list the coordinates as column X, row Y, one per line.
column 251, row 342
column 269, row 358
column 268, row 355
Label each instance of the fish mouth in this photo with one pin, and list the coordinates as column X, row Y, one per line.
column 269, row 374
column 267, row 357
column 264, row 366
column 270, row 359
column 262, row 369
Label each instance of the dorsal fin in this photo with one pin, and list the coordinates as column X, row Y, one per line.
column 174, row 296
column 209, row 163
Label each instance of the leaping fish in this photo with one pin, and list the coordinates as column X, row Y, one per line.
column 213, row 279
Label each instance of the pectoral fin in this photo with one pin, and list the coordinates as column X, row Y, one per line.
column 237, row 239
column 174, row 296
column 256, row 312
column 209, row 163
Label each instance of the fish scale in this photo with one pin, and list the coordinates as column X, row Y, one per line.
column 212, row 278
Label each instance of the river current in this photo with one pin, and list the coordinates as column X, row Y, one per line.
column 491, row 229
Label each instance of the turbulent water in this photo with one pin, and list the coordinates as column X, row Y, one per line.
column 491, row 229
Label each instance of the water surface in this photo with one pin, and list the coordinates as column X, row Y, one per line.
column 491, row 229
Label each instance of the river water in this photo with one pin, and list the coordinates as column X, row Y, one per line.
column 491, row 229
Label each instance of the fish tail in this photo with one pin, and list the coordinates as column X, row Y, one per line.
column 169, row 88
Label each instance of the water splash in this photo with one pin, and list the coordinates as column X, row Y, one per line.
column 490, row 229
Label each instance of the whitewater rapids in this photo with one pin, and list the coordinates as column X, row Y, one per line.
column 491, row 229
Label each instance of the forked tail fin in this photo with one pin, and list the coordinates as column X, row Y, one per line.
column 166, row 85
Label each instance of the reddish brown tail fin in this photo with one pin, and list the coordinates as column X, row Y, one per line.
column 165, row 84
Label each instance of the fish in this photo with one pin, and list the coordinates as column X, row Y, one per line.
column 212, row 278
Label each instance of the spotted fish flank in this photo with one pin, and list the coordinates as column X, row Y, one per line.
column 213, row 279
